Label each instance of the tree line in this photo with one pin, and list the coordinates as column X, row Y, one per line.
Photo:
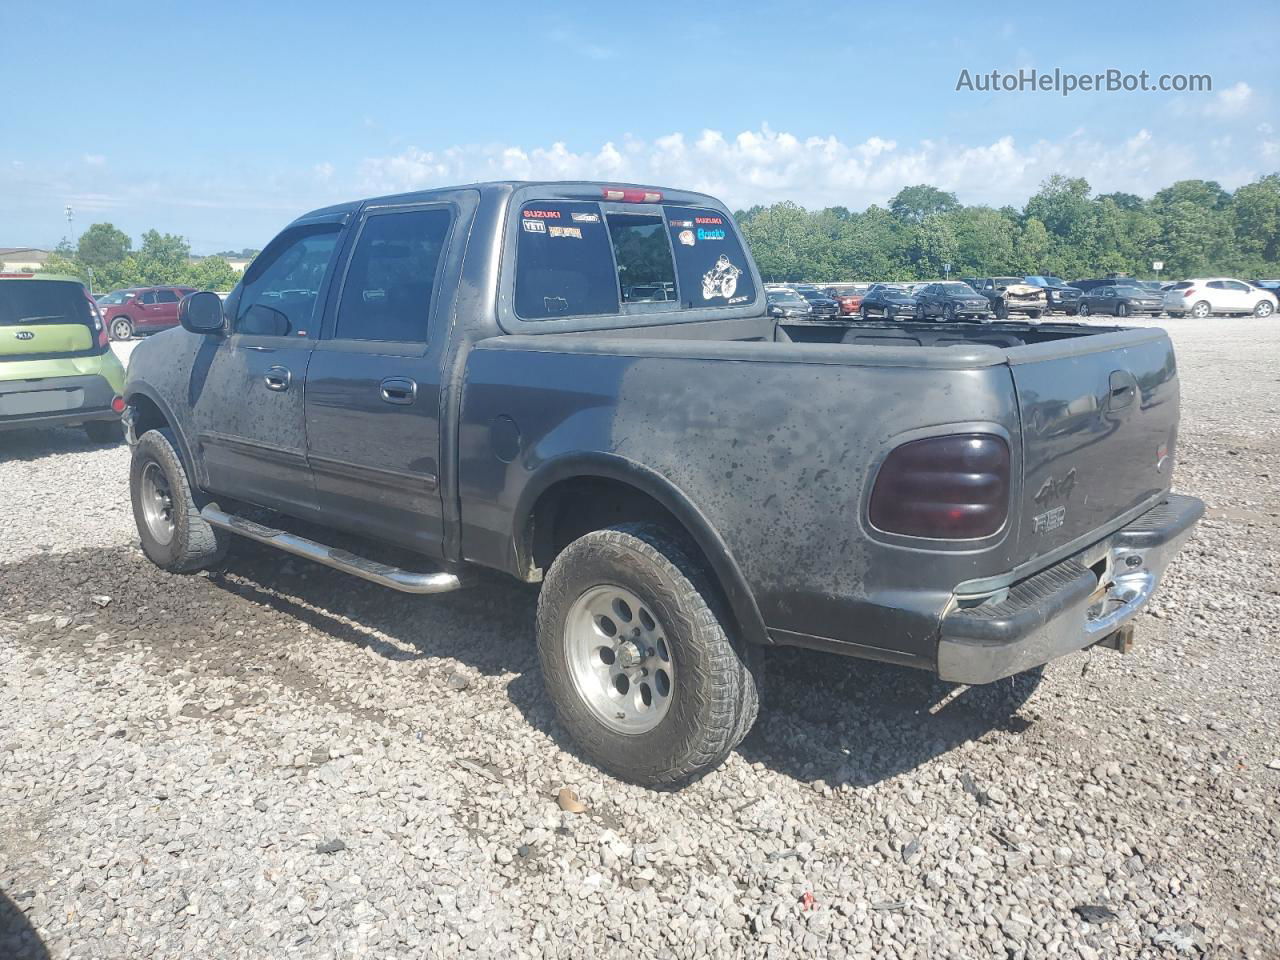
column 162, row 258
column 1194, row 226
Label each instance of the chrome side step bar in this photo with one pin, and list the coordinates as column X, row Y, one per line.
column 405, row 581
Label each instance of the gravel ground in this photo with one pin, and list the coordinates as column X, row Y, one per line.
column 275, row 760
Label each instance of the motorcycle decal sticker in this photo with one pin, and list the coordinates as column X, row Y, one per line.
column 721, row 280
column 585, row 217
column 686, row 237
column 535, row 226
column 575, row 232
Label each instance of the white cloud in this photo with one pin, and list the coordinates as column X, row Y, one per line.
column 764, row 165
column 94, row 159
column 1231, row 102
column 323, row 171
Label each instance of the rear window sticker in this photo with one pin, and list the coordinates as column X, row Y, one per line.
column 686, row 237
column 721, row 280
column 681, row 223
column 575, row 232
column 585, row 217
column 535, row 226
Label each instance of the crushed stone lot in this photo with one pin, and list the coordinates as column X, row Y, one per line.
column 274, row 760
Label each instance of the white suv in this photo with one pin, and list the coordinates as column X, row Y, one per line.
column 1209, row 295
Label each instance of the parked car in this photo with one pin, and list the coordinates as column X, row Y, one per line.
column 823, row 306
column 1059, row 295
column 1110, row 280
column 848, row 295
column 688, row 481
column 1271, row 286
column 141, row 310
column 1010, row 295
column 1120, row 301
column 56, row 365
column 887, row 301
column 1223, row 295
column 951, row 300
column 785, row 302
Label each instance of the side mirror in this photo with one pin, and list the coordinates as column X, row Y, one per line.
column 775, row 311
column 201, row 313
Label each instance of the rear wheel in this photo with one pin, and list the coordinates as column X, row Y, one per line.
column 104, row 431
column 1263, row 308
column 1201, row 309
column 174, row 535
column 121, row 328
column 636, row 659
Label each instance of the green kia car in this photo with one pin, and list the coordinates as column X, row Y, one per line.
column 56, row 364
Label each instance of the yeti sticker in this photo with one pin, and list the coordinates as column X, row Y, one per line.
column 721, row 280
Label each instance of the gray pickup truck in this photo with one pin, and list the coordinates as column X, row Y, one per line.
column 581, row 384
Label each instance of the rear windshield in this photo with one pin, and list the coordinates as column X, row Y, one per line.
column 564, row 264
column 711, row 265
column 575, row 259
column 30, row 302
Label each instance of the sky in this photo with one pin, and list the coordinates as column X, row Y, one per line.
column 222, row 122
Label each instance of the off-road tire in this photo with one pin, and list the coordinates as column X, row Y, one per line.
column 715, row 699
column 195, row 544
column 104, row 431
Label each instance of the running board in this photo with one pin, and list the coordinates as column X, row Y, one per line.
column 405, row 581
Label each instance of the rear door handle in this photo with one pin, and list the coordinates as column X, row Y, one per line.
column 278, row 378
column 398, row 390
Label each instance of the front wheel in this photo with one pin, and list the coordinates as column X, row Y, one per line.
column 949, row 314
column 174, row 535
column 1122, row 310
column 1033, row 314
column 121, row 328
column 1082, row 310
column 1264, row 308
column 636, row 659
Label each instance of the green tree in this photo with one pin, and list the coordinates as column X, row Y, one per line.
column 102, row 245
column 212, row 273
column 914, row 204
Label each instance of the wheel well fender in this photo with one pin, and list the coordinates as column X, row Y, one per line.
column 606, row 489
column 151, row 412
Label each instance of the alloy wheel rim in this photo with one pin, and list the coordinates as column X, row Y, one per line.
column 157, row 503
column 619, row 659
column 121, row 329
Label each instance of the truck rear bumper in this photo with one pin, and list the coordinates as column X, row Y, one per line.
column 1069, row 606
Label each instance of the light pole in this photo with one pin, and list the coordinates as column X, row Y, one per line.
column 71, row 230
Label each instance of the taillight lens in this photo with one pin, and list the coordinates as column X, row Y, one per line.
column 117, row 404
column 946, row 488
column 631, row 195
column 1189, row 292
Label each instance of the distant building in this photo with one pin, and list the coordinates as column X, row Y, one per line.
column 22, row 259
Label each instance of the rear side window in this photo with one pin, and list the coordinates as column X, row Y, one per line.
column 391, row 280
column 166, row 296
column 40, row 302
column 711, row 265
column 564, row 265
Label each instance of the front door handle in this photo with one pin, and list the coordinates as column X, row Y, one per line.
column 398, row 390
column 278, row 378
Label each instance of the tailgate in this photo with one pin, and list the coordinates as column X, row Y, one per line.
column 20, row 342
column 1099, row 423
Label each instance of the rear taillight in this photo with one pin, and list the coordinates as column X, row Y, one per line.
column 945, row 488
column 1189, row 291
column 103, row 339
column 631, row 195
column 117, row 404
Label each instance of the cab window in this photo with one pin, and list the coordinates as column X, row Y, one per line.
column 278, row 298
column 564, row 264
column 711, row 266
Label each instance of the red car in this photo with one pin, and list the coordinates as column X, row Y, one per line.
column 848, row 295
column 141, row 310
